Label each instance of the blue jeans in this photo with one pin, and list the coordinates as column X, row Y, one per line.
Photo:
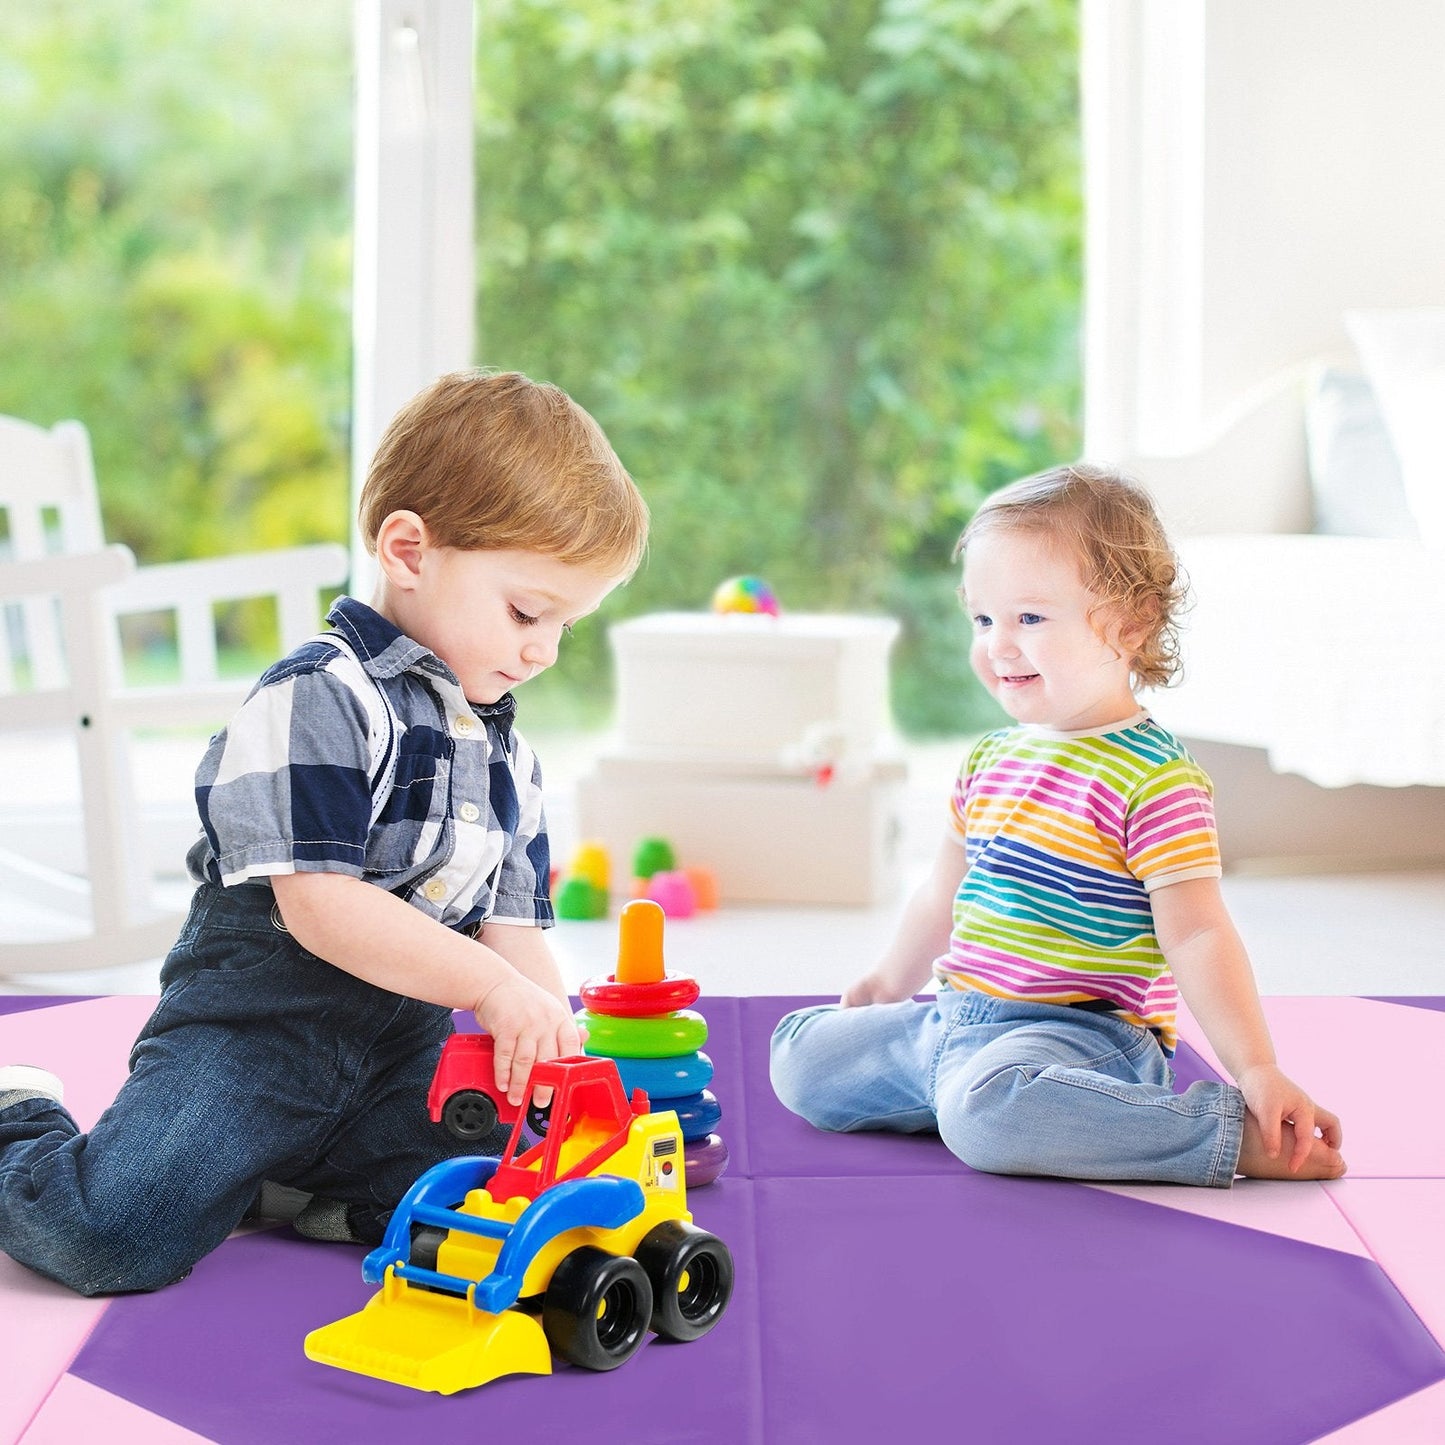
column 1012, row 1088
column 261, row 1062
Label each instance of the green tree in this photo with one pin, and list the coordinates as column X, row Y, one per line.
column 174, row 259
column 814, row 266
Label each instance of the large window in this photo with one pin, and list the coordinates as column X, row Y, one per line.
column 814, row 264
column 175, row 232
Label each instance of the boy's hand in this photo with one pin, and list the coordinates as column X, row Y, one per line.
column 1274, row 1098
column 530, row 1026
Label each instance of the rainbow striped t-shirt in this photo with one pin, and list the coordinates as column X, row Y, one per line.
column 1066, row 835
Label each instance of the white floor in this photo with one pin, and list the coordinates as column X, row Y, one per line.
column 1362, row 934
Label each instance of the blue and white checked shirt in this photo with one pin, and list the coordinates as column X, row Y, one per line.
column 360, row 754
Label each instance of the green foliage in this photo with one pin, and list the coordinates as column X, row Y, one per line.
column 814, row 266
column 174, row 243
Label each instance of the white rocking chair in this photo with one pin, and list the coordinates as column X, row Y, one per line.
column 62, row 595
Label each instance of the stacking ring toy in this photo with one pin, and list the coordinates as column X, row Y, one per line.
column 703, row 1161
column 660, row 1037
column 640, row 1000
column 666, row 1078
column 697, row 1114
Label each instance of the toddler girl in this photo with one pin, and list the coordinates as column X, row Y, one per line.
column 1076, row 885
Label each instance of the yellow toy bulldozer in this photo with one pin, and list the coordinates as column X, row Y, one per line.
column 579, row 1244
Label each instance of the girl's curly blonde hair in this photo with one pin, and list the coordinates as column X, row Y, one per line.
column 1109, row 522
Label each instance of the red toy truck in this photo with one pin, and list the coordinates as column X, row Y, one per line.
column 463, row 1094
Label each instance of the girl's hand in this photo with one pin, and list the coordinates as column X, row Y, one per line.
column 1273, row 1098
column 530, row 1025
column 872, row 988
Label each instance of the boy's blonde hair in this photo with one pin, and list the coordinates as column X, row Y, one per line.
column 493, row 460
column 1109, row 522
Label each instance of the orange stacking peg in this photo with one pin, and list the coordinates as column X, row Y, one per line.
column 639, row 943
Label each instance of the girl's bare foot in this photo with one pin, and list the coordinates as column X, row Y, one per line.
column 1322, row 1162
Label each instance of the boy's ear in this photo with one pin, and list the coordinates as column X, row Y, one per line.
column 400, row 542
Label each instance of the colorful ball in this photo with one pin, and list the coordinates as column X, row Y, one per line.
column 745, row 594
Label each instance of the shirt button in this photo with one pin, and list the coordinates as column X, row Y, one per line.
column 436, row 890
column 465, row 724
column 469, row 812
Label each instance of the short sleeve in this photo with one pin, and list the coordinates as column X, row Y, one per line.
column 983, row 751
column 1169, row 833
column 523, row 888
column 285, row 787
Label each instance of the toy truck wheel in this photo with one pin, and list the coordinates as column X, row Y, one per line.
column 691, row 1273
column 469, row 1115
column 596, row 1308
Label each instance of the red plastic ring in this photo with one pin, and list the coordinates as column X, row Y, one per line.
column 640, row 1000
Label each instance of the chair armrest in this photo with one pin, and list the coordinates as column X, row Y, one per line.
column 292, row 575
column 66, row 575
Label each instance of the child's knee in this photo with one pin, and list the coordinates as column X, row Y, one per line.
column 101, row 1247
column 799, row 1065
column 92, row 1260
column 979, row 1127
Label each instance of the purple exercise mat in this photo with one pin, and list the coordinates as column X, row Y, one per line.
column 883, row 1289
column 780, row 1144
column 221, row 1354
column 1024, row 1312
column 1431, row 1001
column 16, row 1003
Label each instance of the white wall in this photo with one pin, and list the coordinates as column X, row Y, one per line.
column 1323, row 182
column 1253, row 168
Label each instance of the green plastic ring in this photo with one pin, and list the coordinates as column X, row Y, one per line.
column 664, row 1036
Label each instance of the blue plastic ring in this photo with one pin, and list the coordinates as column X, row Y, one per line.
column 697, row 1114
column 666, row 1078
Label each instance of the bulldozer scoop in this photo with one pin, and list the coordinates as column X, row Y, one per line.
column 431, row 1341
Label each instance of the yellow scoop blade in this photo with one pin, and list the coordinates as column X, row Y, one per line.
column 431, row 1341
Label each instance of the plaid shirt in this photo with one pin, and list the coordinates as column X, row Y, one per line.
column 360, row 754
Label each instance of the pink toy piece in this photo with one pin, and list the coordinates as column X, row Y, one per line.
column 704, row 1161
column 673, row 893
column 640, row 1000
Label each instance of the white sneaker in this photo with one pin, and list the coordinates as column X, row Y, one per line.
column 30, row 1082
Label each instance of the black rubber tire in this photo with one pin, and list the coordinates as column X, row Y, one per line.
column 469, row 1115
column 596, row 1309
column 426, row 1242
column 691, row 1273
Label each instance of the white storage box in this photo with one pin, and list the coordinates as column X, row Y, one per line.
column 753, row 690
column 775, row 839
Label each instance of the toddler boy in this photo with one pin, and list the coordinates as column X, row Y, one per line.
column 374, row 855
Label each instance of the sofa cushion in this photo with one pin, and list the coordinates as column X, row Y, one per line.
column 1404, row 356
column 1355, row 481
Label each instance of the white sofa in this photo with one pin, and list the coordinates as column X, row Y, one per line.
column 1312, row 526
